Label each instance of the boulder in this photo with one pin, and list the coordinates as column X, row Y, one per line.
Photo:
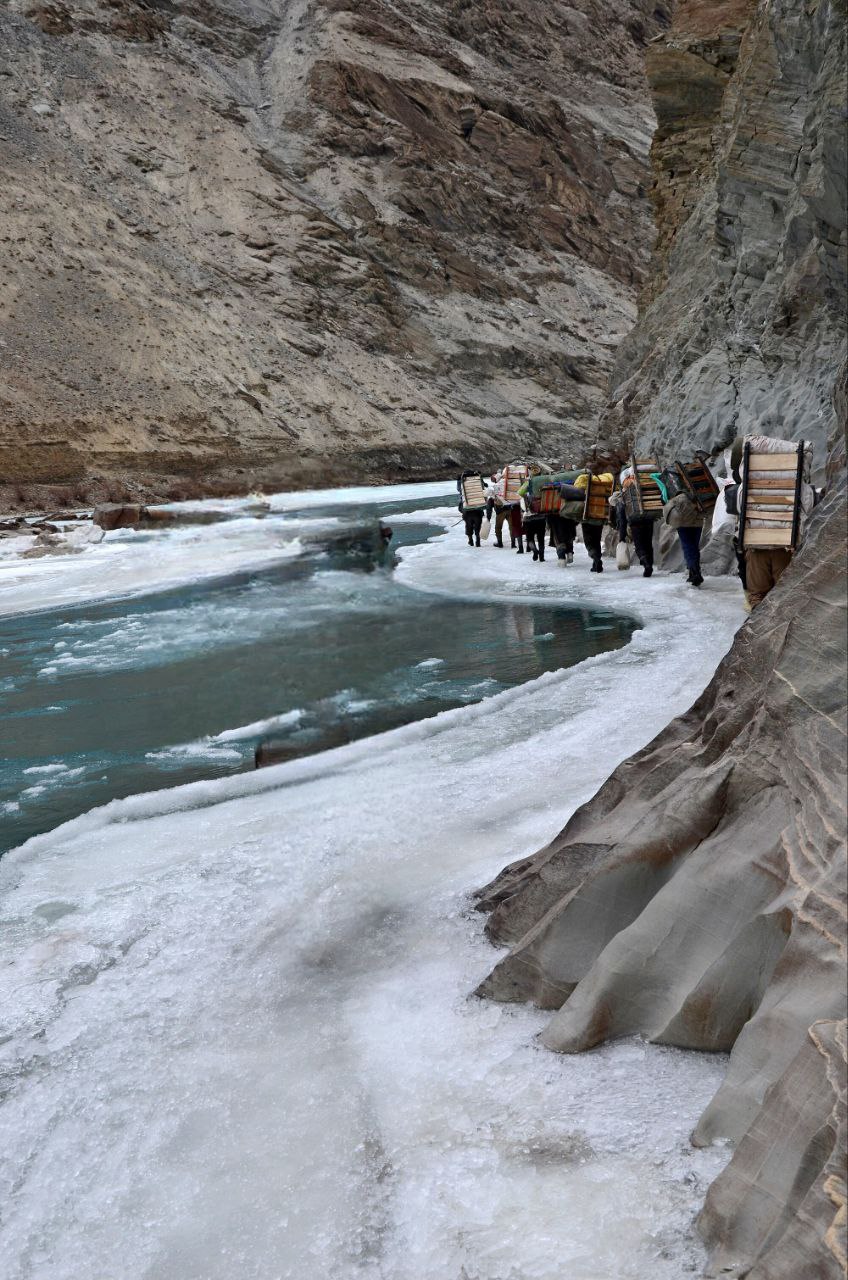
column 117, row 515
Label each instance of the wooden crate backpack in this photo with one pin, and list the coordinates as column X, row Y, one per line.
column 698, row 483
column 643, row 499
column 770, row 499
column 473, row 494
column 598, row 493
column 513, row 478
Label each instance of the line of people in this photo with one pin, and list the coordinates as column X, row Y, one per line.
column 555, row 527
column 541, row 506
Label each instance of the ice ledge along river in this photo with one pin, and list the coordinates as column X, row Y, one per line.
column 238, row 1037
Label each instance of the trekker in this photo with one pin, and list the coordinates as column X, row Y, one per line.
column 534, row 524
column 593, row 526
column 640, row 528
column 472, row 512
column 764, row 563
column 501, row 509
column 682, row 514
column 563, row 531
column 570, row 515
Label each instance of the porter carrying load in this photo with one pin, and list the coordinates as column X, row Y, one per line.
column 771, row 500
column 774, row 498
column 643, row 497
column 598, row 493
column 513, row 478
column 472, row 504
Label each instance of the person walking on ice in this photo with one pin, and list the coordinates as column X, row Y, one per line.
column 472, row 504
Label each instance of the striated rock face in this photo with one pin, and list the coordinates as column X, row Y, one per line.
column 298, row 241
column 700, row 898
column 742, row 324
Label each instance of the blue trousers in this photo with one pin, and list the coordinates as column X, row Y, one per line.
column 690, row 541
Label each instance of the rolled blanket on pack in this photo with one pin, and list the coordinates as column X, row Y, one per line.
column 571, row 493
column 558, row 478
column 558, row 482
column 770, row 444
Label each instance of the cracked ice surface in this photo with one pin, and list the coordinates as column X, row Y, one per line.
column 239, row 1041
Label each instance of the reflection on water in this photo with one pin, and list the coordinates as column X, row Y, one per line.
column 102, row 701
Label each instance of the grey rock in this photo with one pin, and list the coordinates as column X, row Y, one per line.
column 743, row 324
column 700, row 898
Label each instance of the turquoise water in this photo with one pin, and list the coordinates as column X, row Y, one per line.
column 104, row 700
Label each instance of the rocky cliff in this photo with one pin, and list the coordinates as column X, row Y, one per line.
column 302, row 240
column 700, row 898
column 742, row 323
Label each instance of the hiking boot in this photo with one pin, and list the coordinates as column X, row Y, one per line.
column 647, row 570
column 520, row 551
column 499, row 542
column 597, row 566
column 695, row 578
column 477, row 543
column 535, row 554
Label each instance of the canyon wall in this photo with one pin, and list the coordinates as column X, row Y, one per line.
column 699, row 899
column 742, row 324
column 301, row 241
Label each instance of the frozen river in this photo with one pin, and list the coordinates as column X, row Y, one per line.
column 173, row 683
column 236, row 1036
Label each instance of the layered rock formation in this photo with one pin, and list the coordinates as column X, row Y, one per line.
column 700, row 898
column 305, row 240
column 742, row 323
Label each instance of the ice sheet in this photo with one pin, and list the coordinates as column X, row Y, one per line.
column 240, row 1038
column 128, row 562
column 303, row 499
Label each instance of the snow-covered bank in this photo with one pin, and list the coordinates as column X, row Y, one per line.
column 240, row 1038
column 129, row 562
